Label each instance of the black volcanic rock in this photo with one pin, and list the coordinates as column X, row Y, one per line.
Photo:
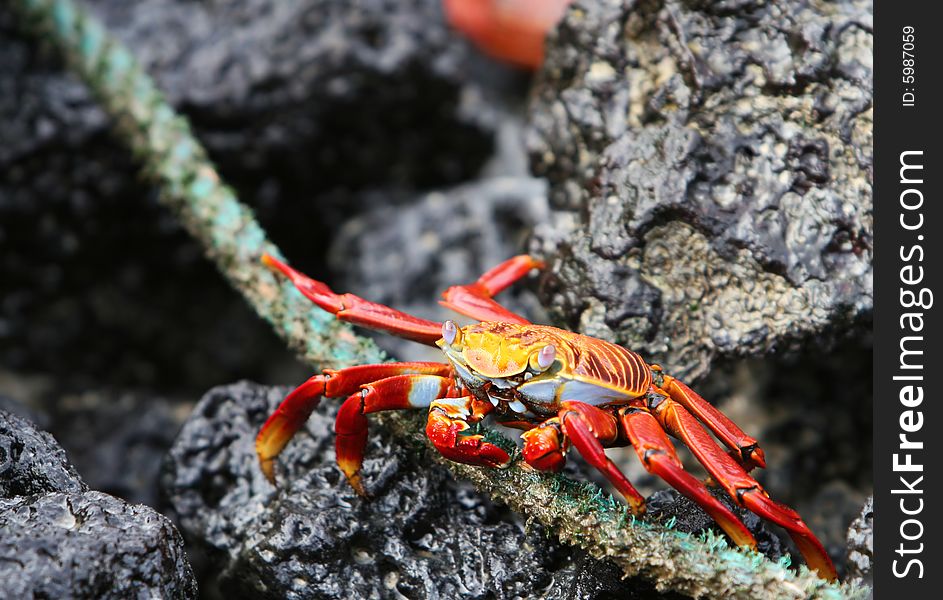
column 118, row 440
column 89, row 545
column 710, row 175
column 420, row 535
column 32, row 462
column 407, row 255
column 861, row 545
column 60, row 540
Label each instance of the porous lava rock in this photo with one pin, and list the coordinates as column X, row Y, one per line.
column 60, row 540
column 89, row 545
column 420, row 535
column 32, row 462
column 710, row 175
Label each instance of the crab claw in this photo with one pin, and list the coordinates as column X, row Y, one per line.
column 545, row 446
column 448, row 419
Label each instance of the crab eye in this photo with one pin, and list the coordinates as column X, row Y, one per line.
column 546, row 356
column 449, row 332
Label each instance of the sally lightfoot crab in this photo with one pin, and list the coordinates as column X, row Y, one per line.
column 561, row 388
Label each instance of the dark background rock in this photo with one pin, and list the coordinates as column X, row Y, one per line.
column 118, row 440
column 303, row 106
column 709, row 169
column 406, row 256
column 89, row 545
column 10, row 405
column 710, row 175
column 420, row 535
column 681, row 514
column 60, row 540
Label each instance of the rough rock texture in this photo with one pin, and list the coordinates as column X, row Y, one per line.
column 89, row 545
column 420, row 535
column 861, row 545
column 59, row 540
column 32, row 462
column 301, row 104
column 710, row 174
column 406, row 256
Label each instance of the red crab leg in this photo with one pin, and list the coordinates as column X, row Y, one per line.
column 294, row 410
column 448, row 418
column 745, row 449
column 658, row 456
column 589, row 428
column 745, row 490
column 354, row 309
column 476, row 299
column 545, row 446
column 393, row 393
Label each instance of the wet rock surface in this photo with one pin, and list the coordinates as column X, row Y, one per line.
column 812, row 415
column 420, row 534
column 302, row 105
column 710, row 175
column 32, row 462
column 60, row 540
column 89, row 545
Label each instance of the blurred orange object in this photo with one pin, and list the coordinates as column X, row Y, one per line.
column 510, row 30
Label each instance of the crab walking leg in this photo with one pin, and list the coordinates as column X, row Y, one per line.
column 744, row 449
column 295, row 409
column 356, row 310
column 449, row 418
column 588, row 429
column 399, row 392
column 350, row 428
column 658, row 456
column 743, row 488
column 476, row 299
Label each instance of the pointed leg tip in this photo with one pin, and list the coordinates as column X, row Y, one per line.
column 758, row 457
column 821, row 564
column 267, row 465
column 356, row 482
